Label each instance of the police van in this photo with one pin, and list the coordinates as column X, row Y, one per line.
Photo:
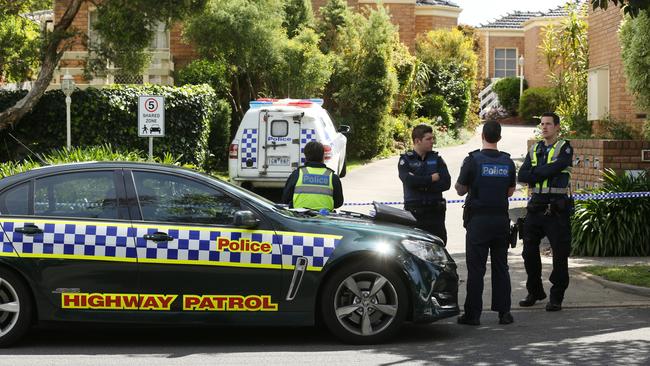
column 271, row 138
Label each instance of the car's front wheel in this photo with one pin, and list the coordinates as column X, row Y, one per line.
column 364, row 303
column 15, row 308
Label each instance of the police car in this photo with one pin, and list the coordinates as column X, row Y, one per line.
column 270, row 140
column 148, row 243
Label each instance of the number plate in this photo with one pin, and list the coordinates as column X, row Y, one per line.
column 279, row 160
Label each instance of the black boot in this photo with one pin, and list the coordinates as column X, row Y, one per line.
column 531, row 299
column 505, row 318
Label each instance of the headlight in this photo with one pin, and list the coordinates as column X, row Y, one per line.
column 425, row 250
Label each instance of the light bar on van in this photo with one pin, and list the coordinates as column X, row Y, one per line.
column 259, row 103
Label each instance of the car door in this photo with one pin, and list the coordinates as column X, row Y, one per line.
column 188, row 246
column 73, row 228
column 280, row 145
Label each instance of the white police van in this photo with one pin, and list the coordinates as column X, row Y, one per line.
column 271, row 138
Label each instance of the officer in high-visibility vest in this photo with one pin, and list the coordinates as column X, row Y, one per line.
column 547, row 170
column 490, row 178
column 424, row 177
column 313, row 185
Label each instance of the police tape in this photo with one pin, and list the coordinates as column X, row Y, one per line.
column 577, row 197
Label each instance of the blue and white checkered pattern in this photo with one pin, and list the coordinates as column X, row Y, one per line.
column 198, row 245
column 67, row 239
column 249, row 147
column 306, row 135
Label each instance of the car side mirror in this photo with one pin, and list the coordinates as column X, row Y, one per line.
column 245, row 219
column 344, row 129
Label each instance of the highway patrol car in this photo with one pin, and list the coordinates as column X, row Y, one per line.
column 140, row 242
column 271, row 138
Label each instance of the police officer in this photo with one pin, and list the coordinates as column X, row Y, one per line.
column 547, row 170
column 313, row 185
column 490, row 178
column 424, row 177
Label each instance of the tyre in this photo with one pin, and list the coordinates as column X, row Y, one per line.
column 364, row 303
column 15, row 308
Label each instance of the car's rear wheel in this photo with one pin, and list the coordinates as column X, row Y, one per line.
column 15, row 308
column 364, row 303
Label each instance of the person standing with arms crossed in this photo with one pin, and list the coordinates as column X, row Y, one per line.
column 424, row 177
column 489, row 177
column 547, row 170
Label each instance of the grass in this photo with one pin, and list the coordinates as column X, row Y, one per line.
column 631, row 275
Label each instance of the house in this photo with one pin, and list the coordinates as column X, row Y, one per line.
column 513, row 36
column 608, row 95
column 169, row 52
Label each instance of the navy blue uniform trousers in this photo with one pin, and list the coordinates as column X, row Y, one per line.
column 487, row 234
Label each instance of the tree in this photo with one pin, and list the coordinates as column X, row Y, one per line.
column 298, row 14
column 335, row 16
column 247, row 35
column 124, row 38
column 566, row 51
column 630, row 7
column 635, row 38
column 19, row 41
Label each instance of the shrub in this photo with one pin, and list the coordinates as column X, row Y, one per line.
column 208, row 72
column 536, row 101
column 507, row 89
column 646, row 129
column 448, row 81
column 435, row 107
column 614, row 227
column 109, row 115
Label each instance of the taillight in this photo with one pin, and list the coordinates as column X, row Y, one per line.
column 233, row 151
column 328, row 152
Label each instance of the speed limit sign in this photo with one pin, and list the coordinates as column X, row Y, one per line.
column 151, row 116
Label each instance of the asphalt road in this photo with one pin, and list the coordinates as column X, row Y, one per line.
column 587, row 336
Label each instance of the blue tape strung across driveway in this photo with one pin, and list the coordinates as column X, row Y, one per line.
column 578, row 197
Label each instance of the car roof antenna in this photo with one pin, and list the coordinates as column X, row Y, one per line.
column 28, row 149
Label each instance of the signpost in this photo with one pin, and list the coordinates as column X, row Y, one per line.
column 151, row 118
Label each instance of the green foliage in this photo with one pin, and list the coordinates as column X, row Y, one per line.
column 613, row 227
column 630, row 7
column 104, row 152
column 453, row 64
column 405, row 67
column 335, row 16
column 566, row 49
column 19, row 45
column 124, row 37
column 209, row 72
column 635, row 38
column 632, row 275
column 303, row 69
column 619, row 130
column 298, row 15
column 366, row 57
column 646, row 129
column 435, row 107
column 536, row 101
column 507, row 89
column 109, row 115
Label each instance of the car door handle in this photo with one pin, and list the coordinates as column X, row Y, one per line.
column 158, row 237
column 29, row 229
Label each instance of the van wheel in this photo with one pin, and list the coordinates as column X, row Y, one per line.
column 364, row 304
column 344, row 170
column 15, row 308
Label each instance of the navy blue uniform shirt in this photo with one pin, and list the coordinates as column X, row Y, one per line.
column 415, row 173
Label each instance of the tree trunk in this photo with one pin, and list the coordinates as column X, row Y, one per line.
column 51, row 58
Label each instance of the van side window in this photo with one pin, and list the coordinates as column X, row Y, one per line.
column 15, row 201
column 279, row 128
column 89, row 194
column 170, row 198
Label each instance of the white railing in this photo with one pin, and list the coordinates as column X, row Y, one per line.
column 488, row 100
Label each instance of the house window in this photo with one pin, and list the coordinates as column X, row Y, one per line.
column 160, row 39
column 93, row 35
column 505, row 62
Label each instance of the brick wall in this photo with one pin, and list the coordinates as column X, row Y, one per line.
column 182, row 53
column 401, row 15
column 425, row 23
column 80, row 22
column 535, row 68
column 503, row 42
column 591, row 157
column 605, row 50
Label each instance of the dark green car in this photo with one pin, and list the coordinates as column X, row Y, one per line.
column 147, row 243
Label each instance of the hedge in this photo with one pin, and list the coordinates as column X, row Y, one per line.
column 536, row 101
column 507, row 89
column 196, row 123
